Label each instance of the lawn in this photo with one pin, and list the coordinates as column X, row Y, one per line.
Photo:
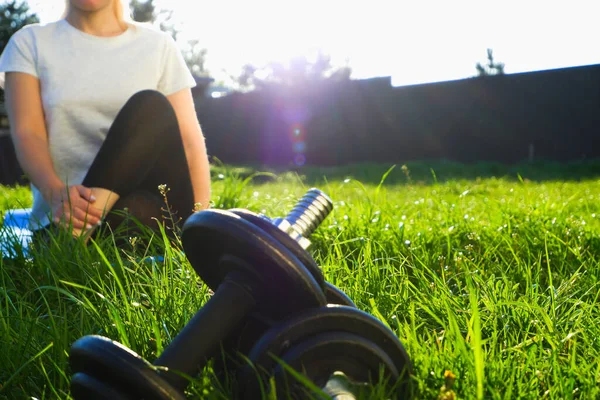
column 489, row 275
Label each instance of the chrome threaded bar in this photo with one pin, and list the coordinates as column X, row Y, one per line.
column 306, row 216
column 339, row 387
column 310, row 211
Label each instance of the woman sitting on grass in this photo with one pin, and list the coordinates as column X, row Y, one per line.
column 101, row 115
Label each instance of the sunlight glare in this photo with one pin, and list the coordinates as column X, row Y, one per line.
column 413, row 42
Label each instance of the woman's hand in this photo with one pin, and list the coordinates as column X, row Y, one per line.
column 73, row 206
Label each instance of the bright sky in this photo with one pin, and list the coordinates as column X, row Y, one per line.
column 412, row 41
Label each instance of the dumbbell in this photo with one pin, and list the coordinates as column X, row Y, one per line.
column 293, row 231
column 322, row 343
column 244, row 266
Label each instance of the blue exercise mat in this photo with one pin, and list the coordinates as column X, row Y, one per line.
column 15, row 232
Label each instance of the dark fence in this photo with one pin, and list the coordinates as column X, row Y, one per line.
column 547, row 115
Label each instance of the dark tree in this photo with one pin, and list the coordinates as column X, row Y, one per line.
column 492, row 67
column 146, row 11
column 13, row 16
column 142, row 11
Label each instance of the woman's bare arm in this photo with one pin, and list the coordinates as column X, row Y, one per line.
column 194, row 144
column 30, row 138
column 28, row 131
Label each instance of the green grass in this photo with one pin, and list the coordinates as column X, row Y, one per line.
column 494, row 279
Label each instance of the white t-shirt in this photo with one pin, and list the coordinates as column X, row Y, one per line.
column 85, row 81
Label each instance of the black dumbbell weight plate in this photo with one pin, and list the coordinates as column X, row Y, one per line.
column 241, row 342
column 335, row 296
column 320, row 356
column 254, row 327
column 86, row 387
column 332, row 293
column 251, row 330
column 103, row 360
column 282, row 285
column 330, row 319
column 302, row 255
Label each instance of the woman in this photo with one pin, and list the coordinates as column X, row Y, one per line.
column 101, row 115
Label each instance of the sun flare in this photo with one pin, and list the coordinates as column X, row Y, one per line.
column 413, row 42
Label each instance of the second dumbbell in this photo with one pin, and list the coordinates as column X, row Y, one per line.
column 247, row 269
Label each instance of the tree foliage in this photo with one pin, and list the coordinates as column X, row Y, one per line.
column 492, row 67
column 193, row 53
column 142, row 11
column 297, row 72
column 13, row 16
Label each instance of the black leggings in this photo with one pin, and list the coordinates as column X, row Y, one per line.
column 143, row 150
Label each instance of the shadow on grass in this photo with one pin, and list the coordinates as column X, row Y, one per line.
column 424, row 172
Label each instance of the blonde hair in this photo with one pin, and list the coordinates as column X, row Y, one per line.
column 119, row 7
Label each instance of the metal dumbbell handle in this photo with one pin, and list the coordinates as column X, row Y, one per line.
column 306, row 216
column 338, row 387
